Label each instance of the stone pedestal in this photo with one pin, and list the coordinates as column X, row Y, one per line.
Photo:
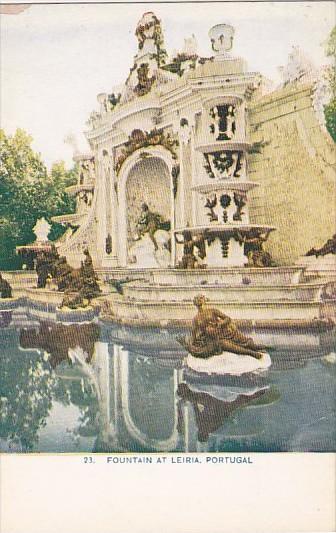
column 225, row 253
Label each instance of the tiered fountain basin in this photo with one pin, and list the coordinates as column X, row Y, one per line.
column 285, row 275
column 222, row 146
column 239, row 294
column 20, row 279
column 228, row 185
column 263, row 296
column 319, row 267
column 227, row 228
column 74, row 218
column 75, row 189
column 170, row 313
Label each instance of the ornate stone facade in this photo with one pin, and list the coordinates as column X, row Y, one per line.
column 193, row 137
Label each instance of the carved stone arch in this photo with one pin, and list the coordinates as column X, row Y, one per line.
column 150, row 152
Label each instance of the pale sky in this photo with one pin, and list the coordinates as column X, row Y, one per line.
column 55, row 59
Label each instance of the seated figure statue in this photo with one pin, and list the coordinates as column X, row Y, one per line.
column 213, row 333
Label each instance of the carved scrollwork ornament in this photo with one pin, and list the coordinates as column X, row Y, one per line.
column 225, row 201
column 207, row 167
column 223, row 165
column 223, row 126
column 240, row 201
column 143, row 139
column 211, row 204
column 225, row 242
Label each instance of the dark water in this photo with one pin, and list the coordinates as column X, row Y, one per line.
column 101, row 388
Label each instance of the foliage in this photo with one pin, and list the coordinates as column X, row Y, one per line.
column 29, row 387
column 330, row 108
column 26, row 385
column 330, row 116
column 27, row 193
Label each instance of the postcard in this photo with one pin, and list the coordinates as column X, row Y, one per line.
column 167, row 267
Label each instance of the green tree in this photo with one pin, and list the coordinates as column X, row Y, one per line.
column 59, row 202
column 27, row 193
column 330, row 108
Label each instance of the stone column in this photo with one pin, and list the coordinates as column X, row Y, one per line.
column 193, row 156
column 111, row 205
column 101, row 211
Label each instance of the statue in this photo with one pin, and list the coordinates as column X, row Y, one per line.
column 145, row 82
column 298, row 69
column 190, row 46
column 149, row 222
column 108, row 244
column 64, row 275
column 45, row 262
column 42, row 270
column 254, row 248
column 80, row 285
column 5, row 288
column 328, row 248
column 113, row 100
column 213, row 333
column 93, row 119
column 89, row 287
column 41, row 230
column 192, row 243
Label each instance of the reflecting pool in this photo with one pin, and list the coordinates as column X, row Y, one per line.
column 100, row 387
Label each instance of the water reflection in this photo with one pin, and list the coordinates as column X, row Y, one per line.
column 211, row 412
column 102, row 388
column 58, row 340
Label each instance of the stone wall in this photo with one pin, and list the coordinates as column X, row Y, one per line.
column 294, row 168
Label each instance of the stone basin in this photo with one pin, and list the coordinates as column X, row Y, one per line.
column 242, row 294
column 237, row 276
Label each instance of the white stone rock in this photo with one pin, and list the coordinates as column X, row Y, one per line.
column 229, row 363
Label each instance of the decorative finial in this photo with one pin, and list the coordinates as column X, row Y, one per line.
column 221, row 37
column 41, row 230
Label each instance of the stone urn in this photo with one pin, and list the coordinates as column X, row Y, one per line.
column 221, row 37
